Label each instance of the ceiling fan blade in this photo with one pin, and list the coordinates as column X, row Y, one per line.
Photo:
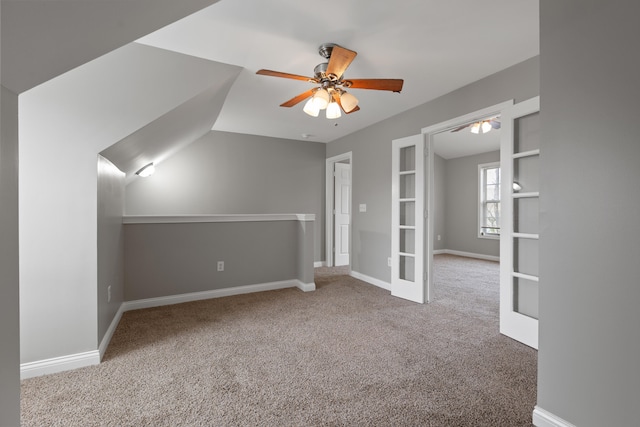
column 461, row 127
column 297, row 99
column 337, row 99
column 286, row 75
column 393, row 85
column 339, row 60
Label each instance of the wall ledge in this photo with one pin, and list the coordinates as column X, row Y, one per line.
column 542, row 418
column 181, row 219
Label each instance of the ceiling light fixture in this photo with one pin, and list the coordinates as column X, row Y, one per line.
column 146, row 170
column 311, row 108
column 332, row 84
column 484, row 126
column 333, row 110
column 348, row 101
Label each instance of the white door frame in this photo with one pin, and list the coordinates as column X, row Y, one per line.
column 329, row 192
column 430, row 132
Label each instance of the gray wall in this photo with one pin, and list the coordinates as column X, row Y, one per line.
column 461, row 205
column 589, row 371
column 439, row 203
column 371, row 147
column 172, row 259
column 110, row 243
column 227, row 173
column 9, row 264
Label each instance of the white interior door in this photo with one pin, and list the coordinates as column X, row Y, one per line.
column 519, row 157
column 408, row 279
column 342, row 212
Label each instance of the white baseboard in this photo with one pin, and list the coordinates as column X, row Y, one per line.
column 59, row 364
column 306, row 287
column 215, row 293
column 371, row 280
column 109, row 334
column 467, row 254
column 317, row 264
column 542, row 418
column 79, row 360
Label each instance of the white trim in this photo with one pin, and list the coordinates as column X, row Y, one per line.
column 59, row 364
column 467, row 118
column 89, row 358
column 469, row 255
column 178, row 219
column 109, row 334
column 542, row 418
column 215, row 293
column 306, row 287
column 371, row 280
column 439, row 251
column 328, row 174
column 317, row 264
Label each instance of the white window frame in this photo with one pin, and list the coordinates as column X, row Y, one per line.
column 481, row 198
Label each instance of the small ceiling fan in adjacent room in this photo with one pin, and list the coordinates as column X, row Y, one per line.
column 483, row 126
column 331, row 93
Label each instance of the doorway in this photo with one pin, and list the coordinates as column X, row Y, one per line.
column 466, row 187
column 338, row 204
column 461, row 124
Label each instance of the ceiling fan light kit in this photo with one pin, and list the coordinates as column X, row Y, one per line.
column 483, row 125
column 331, row 94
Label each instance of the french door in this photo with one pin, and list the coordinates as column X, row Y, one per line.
column 519, row 159
column 408, row 279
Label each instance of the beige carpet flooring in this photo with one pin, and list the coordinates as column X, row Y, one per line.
column 348, row 354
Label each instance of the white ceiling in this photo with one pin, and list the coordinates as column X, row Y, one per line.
column 451, row 145
column 435, row 46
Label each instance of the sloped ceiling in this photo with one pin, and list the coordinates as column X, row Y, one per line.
column 42, row 39
column 148, row 101
column 173, row 131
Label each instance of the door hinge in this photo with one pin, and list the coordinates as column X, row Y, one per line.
column 334, row 211
column 426, row 214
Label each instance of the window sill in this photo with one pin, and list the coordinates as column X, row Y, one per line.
column 489, row 237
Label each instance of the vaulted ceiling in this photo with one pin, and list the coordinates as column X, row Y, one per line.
column 52, row 51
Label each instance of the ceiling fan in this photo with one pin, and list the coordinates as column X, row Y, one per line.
column 331, row 92
column 482, row 125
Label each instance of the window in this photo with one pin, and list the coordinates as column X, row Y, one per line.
column 489, row 197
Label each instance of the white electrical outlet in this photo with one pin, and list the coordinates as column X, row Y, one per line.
column 220, row 265
column 109, row 293
column 389, row 262
column 438, row 237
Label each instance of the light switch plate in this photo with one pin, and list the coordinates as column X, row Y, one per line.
column 363, row 207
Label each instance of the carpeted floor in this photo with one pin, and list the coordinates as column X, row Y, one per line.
column 348, row 354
